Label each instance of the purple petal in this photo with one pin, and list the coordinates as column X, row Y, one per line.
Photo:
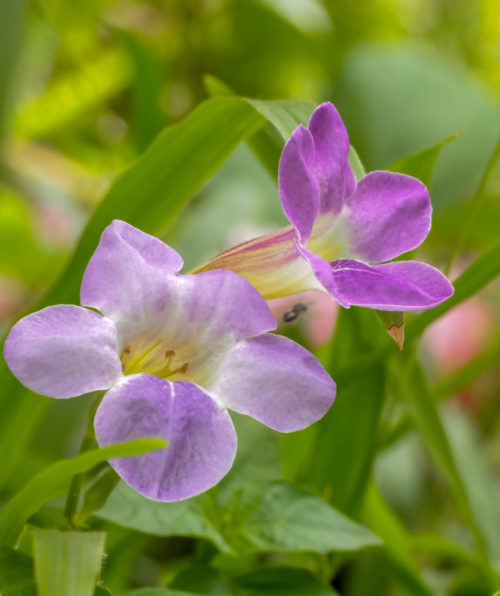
column 331, row 144
column 401, row 285
column 276, row 381
column 63, row 351
column 387, row 215
column 298, row 183
column 323, row 273
column 201, row 318
column 220, row 303
column 200, row 433
column 127, row 273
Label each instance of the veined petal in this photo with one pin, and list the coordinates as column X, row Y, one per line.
column 199, row 319
column 63, row 351
column 271, row 263
column 387, row 215
column 276, row 381
column 200, row 434
column 126, row 276
column 298, row 182
column 399, row 286
column 331, row 158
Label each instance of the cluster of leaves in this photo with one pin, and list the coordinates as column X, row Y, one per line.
column 298, row 514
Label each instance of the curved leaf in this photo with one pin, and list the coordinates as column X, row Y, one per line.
column 49, row 482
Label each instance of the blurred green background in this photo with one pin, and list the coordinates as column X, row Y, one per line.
column 85, row 85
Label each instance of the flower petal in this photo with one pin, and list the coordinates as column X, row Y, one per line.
column 331, row 144
column 200, row 433
column 276, row 381
column 127, row 273
column 63, row 351
column 298, row 183
column 202, row 317
column 323, row 273
column 387, row 215
column 401, row 285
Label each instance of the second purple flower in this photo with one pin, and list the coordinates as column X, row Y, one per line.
column 343, row 231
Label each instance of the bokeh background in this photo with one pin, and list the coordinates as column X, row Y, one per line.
column 85, row 85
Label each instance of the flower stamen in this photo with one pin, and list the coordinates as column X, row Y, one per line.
column 142, row 356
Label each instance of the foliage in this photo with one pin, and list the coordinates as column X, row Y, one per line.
column 160, row 113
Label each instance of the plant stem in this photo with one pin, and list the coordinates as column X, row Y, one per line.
column 76, row 485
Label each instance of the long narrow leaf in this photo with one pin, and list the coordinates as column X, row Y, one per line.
column 153, row 191
column 428, row 422
column 396, row 541
column 48, row 483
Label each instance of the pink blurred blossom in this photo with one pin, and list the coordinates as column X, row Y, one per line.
column 460, row 335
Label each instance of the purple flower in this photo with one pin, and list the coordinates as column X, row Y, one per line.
column 343, row 231
column 174, row 351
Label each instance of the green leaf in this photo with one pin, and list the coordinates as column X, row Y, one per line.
column 282, row 581
column 11, row 24
column 478, row 205
column 97, row 495
column 202, row 579
column 216, row 87
column 154, row 190
column 21, row 412
column 16, row 569
column 282, row 119
column 284, row 115
column 252, row 465
column 397, row 542
column 49, row 482
column 288, row 518
column 147, row 86
column 129, row 509
column 67, row 562
column 482, row 271
column 342, row 457
column 414, row 391
column 274, row 581
column 421, row 164
column 479, row 480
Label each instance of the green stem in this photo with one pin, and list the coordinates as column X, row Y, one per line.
column 445, row 389
column 75, row 488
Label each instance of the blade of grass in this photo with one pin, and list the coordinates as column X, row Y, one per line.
column 415, row 393
column 48, row 483
column 397, row 542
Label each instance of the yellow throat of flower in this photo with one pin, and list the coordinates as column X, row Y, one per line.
column 148, row 355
